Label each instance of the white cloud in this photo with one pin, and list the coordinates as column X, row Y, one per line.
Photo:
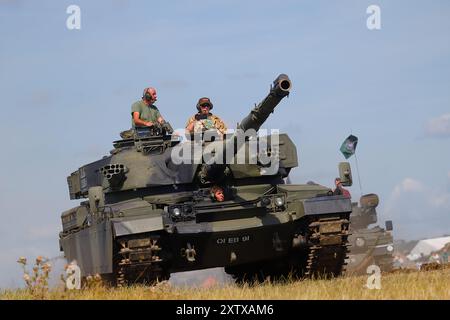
column 441, row 200
column 408, row 185
column 418, row 210
column 433, row 196
column 438, row 127
column 411, row 185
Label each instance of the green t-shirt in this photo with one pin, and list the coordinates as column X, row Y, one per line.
column 146, row 113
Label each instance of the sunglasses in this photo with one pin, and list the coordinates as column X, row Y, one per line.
column 205, row 105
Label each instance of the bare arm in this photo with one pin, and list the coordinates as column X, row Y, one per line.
column 190, row 125
column 139, row 122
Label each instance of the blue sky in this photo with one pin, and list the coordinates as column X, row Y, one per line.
column 66, row 95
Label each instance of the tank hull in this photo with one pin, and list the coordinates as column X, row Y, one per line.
column 370, row 246
column 299, row 236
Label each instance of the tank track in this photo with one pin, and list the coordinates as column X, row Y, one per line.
column 329, row 247
column 138, row 260
column 323, row 258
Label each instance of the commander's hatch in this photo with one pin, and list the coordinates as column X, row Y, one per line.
column 148, row 139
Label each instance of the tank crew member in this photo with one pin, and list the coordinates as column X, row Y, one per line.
column 144, row 113
column 204, row 119
column 217, row 194
column 340, row 190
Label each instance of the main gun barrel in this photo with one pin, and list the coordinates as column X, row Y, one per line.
column 280, row 89
column 256, row 118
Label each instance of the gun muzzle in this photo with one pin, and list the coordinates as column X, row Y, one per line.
column 282, row 85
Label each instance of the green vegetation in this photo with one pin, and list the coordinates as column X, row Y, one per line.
column 411, row 285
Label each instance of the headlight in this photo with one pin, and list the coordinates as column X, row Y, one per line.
column 360, row 242
column 390, row 248
column 181, row 212
column 266, row 201
column 279, row 201
column 176, row 212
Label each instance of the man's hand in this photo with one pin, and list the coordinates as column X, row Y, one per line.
column 140, row 122
column 199, row 117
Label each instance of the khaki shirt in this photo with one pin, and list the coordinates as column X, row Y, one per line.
column 146, row 113
column 209, row 123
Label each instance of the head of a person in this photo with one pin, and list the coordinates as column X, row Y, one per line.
column 204, row 105
column 217, row 193
column 149, row 95
column 338, row 182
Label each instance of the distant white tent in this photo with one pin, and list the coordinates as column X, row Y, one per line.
column 427, row 246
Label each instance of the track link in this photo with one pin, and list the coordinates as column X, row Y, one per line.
column 329, row 248
column 138, row 260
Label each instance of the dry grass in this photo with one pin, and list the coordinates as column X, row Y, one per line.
column 413, row 285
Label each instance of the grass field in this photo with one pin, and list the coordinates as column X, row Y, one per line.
column 413, row 285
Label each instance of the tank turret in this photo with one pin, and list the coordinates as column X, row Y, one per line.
column 153, row 157
column 369, row 243
column 365, row 213
column 248, row 127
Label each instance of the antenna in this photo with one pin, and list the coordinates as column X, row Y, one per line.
column 359, row 178
column 357, row 170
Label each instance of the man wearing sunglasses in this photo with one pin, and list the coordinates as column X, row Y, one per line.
column 204, row 119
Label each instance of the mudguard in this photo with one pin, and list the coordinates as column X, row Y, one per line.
column 328, row 204
column 135, row 225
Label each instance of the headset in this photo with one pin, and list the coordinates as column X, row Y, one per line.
column 144, row 92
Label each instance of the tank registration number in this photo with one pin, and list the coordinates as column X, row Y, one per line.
column 232, row 240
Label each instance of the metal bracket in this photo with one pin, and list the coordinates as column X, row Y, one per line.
column 190, row 253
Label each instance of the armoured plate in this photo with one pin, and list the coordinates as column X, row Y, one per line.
column 330, row 204
column 133, row 226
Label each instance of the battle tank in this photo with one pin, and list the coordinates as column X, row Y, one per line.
column 369, row 245
column 148, row 215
